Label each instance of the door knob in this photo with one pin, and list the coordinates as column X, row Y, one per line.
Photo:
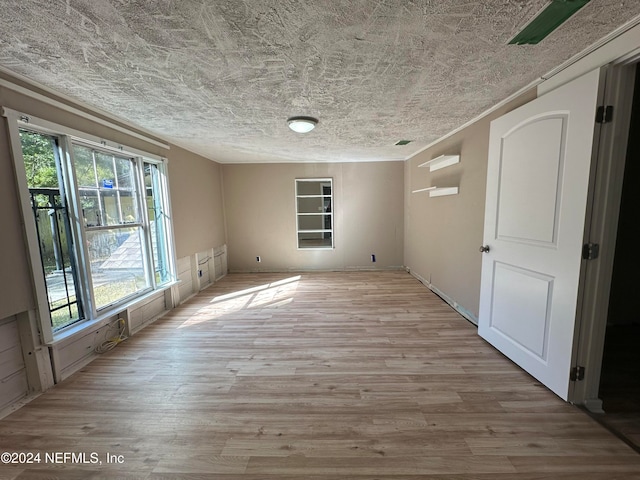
column 484, row 249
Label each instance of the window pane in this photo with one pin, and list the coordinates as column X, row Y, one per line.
column 90, row 204
column 314, row 240
column 104, row 168
column 109, row 200
column 314, row 222
column 157, row 223
column 85, row 173
column 310, row 204
column 63, row 313
column 129, row 207
column 117, row 264
column 52, row 227
column 124, row 170
column 64, row 304
column 127, row 190
column 306, row 187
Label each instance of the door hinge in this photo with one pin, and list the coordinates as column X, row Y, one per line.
column 590, row 251
column 577, row 373
column 604, row 114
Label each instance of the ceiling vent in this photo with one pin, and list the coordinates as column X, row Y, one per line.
column 550, row 17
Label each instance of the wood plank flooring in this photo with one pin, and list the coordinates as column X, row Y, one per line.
column 347, row 375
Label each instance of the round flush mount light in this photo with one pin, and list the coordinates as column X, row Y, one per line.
column 302, row 124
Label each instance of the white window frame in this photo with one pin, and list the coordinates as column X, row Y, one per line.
column 67, row 137
column 323, row 213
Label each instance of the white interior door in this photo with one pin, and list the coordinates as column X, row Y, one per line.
column 537, row 183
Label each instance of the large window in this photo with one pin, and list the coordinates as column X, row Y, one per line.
column 314, row 213
column 101, row 218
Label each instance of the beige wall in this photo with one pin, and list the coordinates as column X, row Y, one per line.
column 196, row 202
column 443, row 234
column 260, row 211
column 194, row 188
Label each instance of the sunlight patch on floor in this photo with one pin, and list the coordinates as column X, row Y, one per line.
column 270, row 295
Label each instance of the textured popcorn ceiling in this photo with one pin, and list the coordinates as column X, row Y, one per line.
column 221, row 77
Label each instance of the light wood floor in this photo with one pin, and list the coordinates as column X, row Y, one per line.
column 324, row 376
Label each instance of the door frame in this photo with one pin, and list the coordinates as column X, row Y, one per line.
column 601, row 224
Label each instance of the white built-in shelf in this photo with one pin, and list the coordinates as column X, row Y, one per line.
column 438, row 191
column 424, row 189
column 441, row 162
column 441, row 192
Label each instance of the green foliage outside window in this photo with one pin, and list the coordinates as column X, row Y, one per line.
column 39, row 160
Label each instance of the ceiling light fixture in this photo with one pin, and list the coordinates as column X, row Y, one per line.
column 302, row 124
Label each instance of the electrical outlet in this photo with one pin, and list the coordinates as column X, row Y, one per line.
column 373, row 257
column 258, row 259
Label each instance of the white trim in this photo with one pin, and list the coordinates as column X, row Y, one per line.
column 85, row 293
column 621, row 41
column 602, row 228
column 36, row 355
column 29, row 228
column 145, row 228
column 328, row 180
column 55, row 103
column 168, row 220
column 46, row 126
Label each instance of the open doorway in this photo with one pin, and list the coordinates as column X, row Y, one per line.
column 620, row 379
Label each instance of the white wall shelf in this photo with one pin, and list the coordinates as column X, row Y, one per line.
column 441, row 192
column 438, row 191
column 424, row 189
column 441, row 162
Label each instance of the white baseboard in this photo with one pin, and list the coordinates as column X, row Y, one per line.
column 452, row 303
